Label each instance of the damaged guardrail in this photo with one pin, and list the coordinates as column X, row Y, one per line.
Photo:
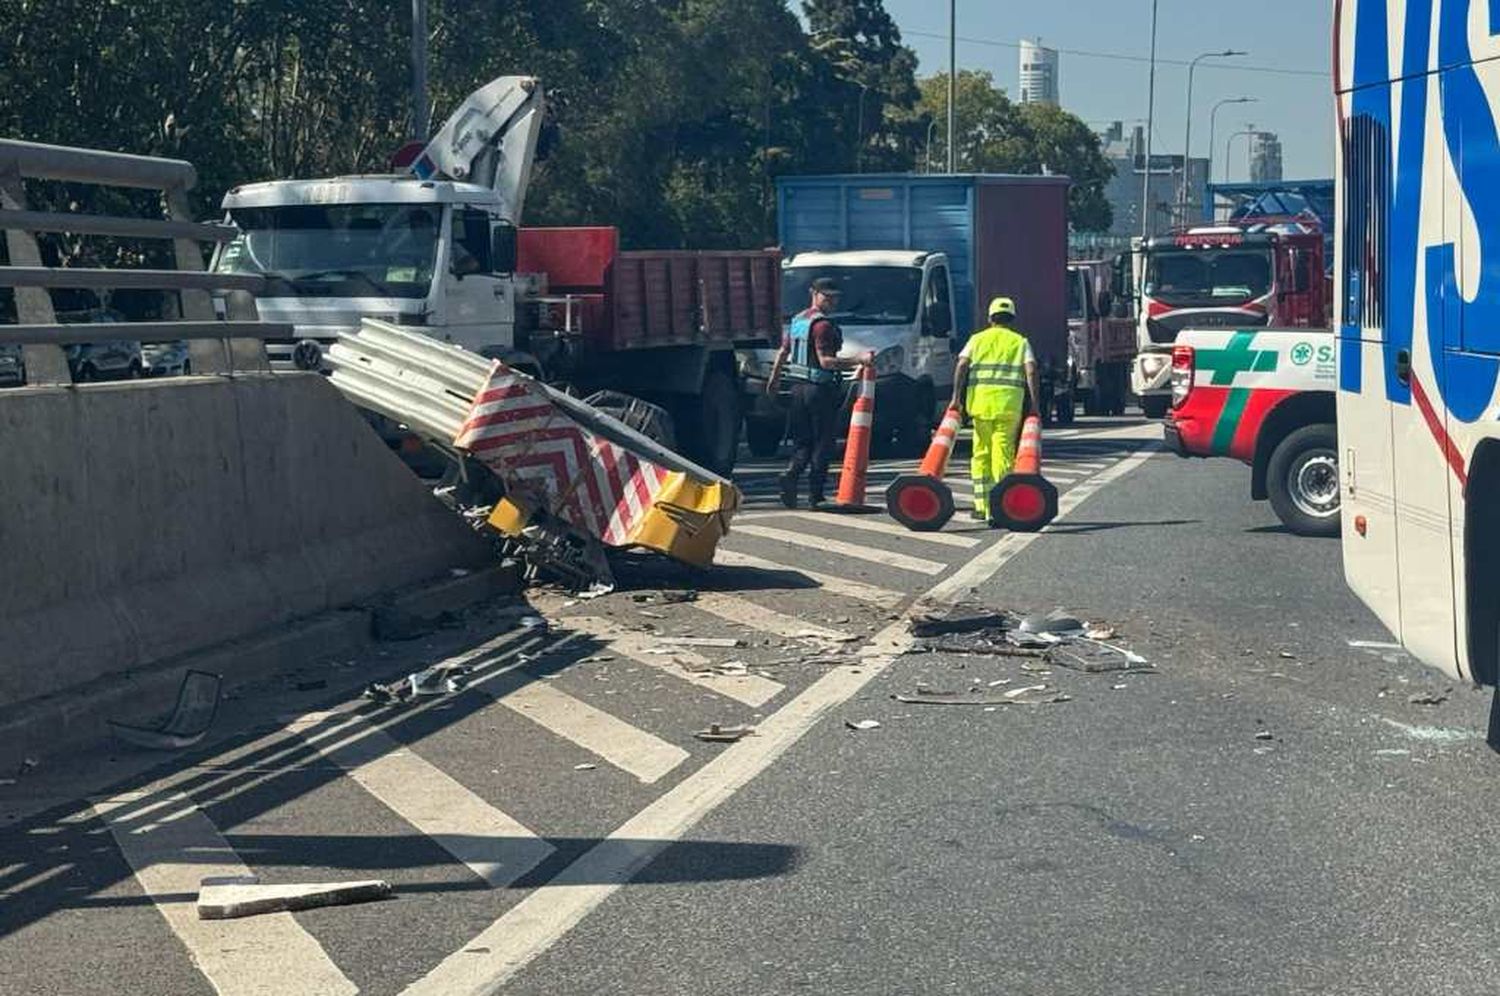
column 572, row 479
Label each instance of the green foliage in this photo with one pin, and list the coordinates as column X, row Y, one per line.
column 672, row 116
column 998, row 136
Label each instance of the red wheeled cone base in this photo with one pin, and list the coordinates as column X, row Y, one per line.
column 920, row 503
column 1023, row 503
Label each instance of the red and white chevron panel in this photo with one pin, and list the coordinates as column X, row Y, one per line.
column 536, row 449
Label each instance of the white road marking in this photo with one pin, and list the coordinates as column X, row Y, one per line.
column 627, row 747
column 900, row 561
column 743, row 612
column 533, row 925
column 751, row 689
column 858, row 590
column 171, row 854
column 496, row 847
column 876, row 524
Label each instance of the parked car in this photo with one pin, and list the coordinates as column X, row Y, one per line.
column 91, row 361
column 166, row 358
column 12, row 367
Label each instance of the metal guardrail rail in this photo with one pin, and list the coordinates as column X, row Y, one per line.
column 215, row 346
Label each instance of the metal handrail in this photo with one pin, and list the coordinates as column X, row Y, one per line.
column 113, row 169
column 76, row 333
column 98, row 224
column 82, row 276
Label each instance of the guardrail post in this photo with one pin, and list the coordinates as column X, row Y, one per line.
column 45, row 364
column 223, row 356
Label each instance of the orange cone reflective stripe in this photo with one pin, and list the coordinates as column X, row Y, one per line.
column 1029, row 453
column 935, row 463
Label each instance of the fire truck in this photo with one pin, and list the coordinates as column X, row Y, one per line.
column 1257, row 273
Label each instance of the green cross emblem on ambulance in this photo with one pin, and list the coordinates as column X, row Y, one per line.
column 1236, row 357
column 1302, row 354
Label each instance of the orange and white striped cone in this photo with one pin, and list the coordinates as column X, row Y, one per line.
column 1024, row 501
column 921, row 501
column 851, row 493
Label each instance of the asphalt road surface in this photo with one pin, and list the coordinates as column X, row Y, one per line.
column 1264, row 810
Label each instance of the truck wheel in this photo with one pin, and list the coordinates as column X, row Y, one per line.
column 1303, row 481
column 764, row 435
column 916, row 428
column 713, row 437
column 1155, row 406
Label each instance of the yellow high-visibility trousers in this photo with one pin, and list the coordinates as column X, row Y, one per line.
column 994, row 455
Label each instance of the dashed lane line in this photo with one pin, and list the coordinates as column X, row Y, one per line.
column 751, row 689
column 172, row 846
column 496, row 847
column 491, row 959
column 627, row 747
column 844, row 587
column 873, row 524
column 743, row 612
column 887, row 558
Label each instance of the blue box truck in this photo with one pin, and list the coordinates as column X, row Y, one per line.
column 918, row 257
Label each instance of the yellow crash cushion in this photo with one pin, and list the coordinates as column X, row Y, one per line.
column 688, row 519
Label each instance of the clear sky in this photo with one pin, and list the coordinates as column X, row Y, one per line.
column 1278, row 34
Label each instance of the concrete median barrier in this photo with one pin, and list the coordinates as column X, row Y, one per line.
column 143, row 521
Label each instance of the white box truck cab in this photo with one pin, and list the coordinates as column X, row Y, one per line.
column 897, row 304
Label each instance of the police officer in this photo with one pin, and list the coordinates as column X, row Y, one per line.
column 809, row 356
column 995, row 370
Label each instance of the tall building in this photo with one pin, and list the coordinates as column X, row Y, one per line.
column 1265, row 157
column 1038, row 73
column 1169, row 172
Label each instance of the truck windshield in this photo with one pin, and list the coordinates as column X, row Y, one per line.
column 869, row 295
column 1208, row 276
column 337, row 250
column 1077, row 283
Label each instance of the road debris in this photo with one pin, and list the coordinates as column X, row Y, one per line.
column 442, row 680
column 1264, row 735
column 862, row 724
column 723, row 642
column 732, row 669
column 724, row 734
column 1017, row 692
column 961, row 620
column 1033, row 695
column 585, row 766
column 190, row 719
column 1286, row 655
column 229, row 897
column 1429, row 698
column 666, row 596
column 532, row 622
column 1094, row 632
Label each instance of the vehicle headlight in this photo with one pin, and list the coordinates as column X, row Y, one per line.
column 889, row 361
column 1154, row 363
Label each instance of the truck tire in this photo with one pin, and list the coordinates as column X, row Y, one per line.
column 711, row 433
column 764, row 435
column 1155, row 406
column 914, row 432
column 1302, row 480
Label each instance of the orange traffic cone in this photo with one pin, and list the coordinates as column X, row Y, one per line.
column 851, row 493
column 1025, row 501
column 921, row 501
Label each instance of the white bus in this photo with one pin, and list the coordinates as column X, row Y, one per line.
column 1418, row 321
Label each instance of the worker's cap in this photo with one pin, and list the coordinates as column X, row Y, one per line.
column 1002, row 306
column 825, row 285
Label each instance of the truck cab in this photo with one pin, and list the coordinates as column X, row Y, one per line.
column 897, row 304
column 1249, row 275
column 436, row 255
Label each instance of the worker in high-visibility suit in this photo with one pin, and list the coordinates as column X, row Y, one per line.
column 995, row 370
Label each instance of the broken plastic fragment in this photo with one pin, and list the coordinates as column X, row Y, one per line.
column 862, row 724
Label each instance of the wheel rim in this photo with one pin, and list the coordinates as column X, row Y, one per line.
column 1313, row 482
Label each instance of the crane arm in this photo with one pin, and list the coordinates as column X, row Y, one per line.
column 489, row 140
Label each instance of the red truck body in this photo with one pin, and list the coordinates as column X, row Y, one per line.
column 644, row 299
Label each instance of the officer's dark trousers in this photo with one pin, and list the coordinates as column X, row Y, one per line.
column 814, row 426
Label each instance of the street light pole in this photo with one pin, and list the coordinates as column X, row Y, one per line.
column 1150, row 123
column 931, row 127
column 1213, row 120
column 419, row 70
column 1187, row 138
column 1249, row 130
column 952, row 86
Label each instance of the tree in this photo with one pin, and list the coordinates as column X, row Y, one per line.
column 996, row 135
column 866, row 69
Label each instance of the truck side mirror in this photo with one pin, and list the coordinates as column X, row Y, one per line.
column 503, row 247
